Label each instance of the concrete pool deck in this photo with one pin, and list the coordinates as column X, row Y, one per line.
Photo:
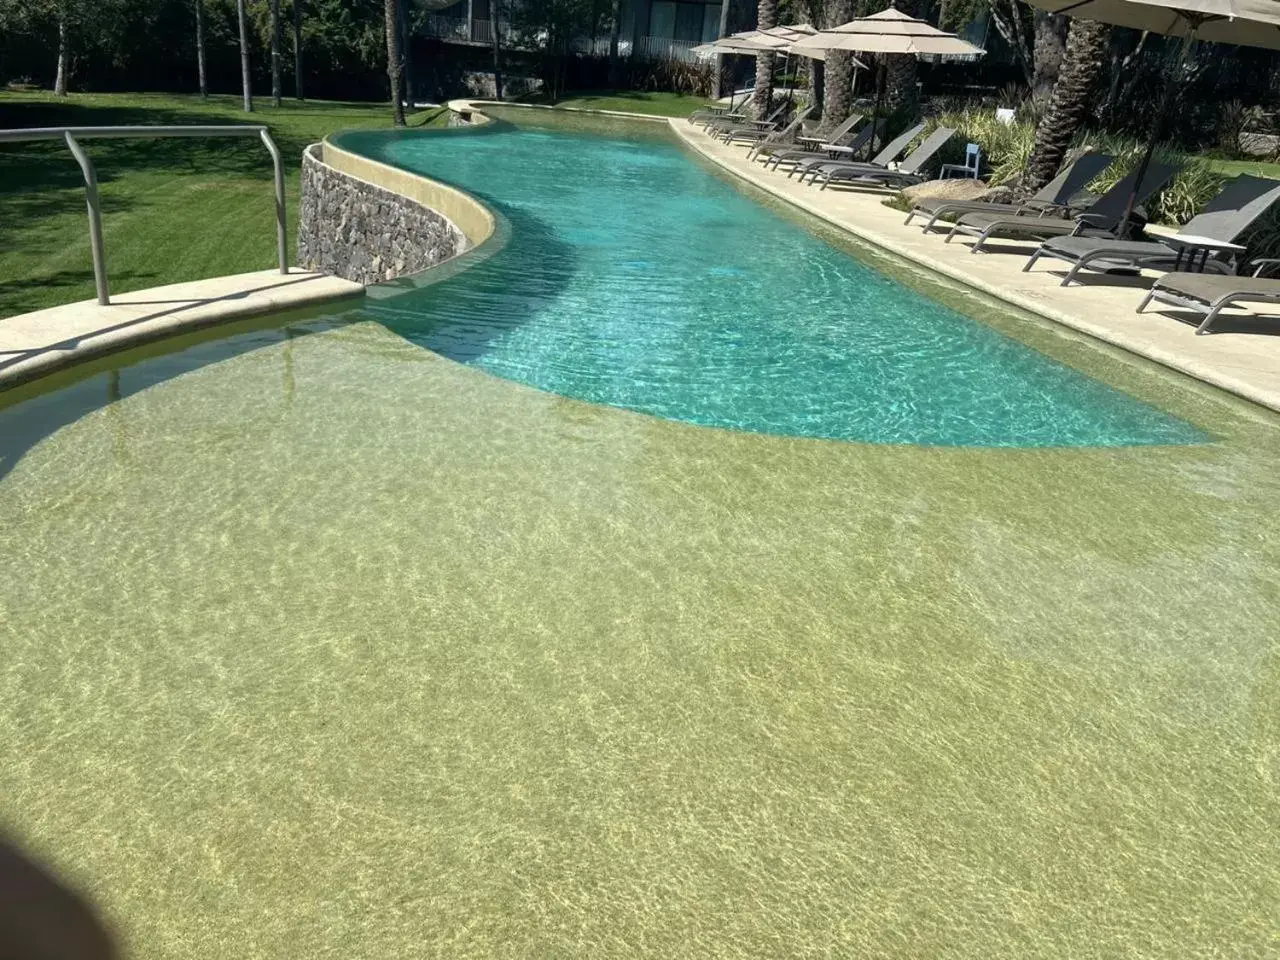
column 33, row 344
column 1244, row 363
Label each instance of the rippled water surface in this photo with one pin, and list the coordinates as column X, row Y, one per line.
column 315, row 643
column 637, row 278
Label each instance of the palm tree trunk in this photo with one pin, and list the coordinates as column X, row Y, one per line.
column 724, row 32
column 276, row 86
column 246, row 80
column 406, row 54
column 837, row 71
column 64, row 55
column 766, row 17
column 297, row 50
column 615, row 28
column 497, row 48
column 1081, row 67
column 204, row 83
column 1050, row 48
column 393, row 58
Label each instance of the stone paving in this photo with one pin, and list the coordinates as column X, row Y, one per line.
column 33, row 344
column 1244, row 359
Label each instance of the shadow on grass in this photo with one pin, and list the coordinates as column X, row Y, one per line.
column 19, row 296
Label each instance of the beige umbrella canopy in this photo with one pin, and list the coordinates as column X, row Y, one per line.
column 890, row 31
column 1250, row 23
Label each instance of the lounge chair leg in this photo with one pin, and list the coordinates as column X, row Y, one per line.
column 1211, row 316
column 1026, row 267
column 907, row 222
column 1146, row 300
column 981, row 240
column 1071, row 274
column 951, row 233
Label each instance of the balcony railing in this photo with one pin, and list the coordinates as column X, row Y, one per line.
column 457, row 29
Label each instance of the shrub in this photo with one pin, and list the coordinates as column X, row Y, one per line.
column 1007, row 148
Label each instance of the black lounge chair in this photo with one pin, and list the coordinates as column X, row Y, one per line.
column 1057, row 197
column 887, row 155
column 906, row 173
column 1206, row 242
column 1100, row 220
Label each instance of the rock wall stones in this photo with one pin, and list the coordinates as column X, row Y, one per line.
column 364, row 233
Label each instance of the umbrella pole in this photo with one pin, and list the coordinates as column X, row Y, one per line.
column 1162, row 116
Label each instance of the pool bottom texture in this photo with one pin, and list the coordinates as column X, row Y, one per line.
column 317, row 643
column 636, row 277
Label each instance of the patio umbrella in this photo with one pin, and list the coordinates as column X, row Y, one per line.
column 772, row 40
column 888, row 32
column 1248, row 23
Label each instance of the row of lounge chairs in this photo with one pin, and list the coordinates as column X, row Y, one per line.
column 1203, row 259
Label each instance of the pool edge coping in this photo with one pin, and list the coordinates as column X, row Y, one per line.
column 1180, row 364
column 91, row 331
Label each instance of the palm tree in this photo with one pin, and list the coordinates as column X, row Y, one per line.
column 1050, row 48
column 276, row 91
column 837, row 81
column 901, row 87
column 204, row 83
column 297, row 50
column 766, row 17
column 246, row 81
column 1082, row 65
column 393, row 57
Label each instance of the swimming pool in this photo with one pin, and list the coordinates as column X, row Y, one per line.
column 636, row 277
column 316, row 642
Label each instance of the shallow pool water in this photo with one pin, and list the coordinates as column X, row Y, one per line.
column 636, row 277
column 316, row 643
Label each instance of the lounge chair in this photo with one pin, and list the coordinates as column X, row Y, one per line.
column 794, row 158
column 812, row 146
column 1101, row 219
column 1206, row 242
column 887, row 155
column 1210, row 294
column 705, row 115
column 1056, row 197
column 725, row 130
column 764, row 139
column 906, row 173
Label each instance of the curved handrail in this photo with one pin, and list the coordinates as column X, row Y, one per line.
column 72, row 135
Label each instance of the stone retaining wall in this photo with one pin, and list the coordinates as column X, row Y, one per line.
column 361, row 232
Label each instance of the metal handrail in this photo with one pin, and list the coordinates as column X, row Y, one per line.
column 72, row 135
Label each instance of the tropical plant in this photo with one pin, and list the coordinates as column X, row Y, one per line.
column 1069, row 106
column 1006, row 149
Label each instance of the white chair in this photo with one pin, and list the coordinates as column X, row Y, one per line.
column 972, row 164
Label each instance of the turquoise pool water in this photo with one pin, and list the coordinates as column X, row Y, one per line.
column 637, row 278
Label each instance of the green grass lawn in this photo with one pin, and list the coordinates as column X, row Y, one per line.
column 173, row 210
column 630, row 101
column 1259, row 168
